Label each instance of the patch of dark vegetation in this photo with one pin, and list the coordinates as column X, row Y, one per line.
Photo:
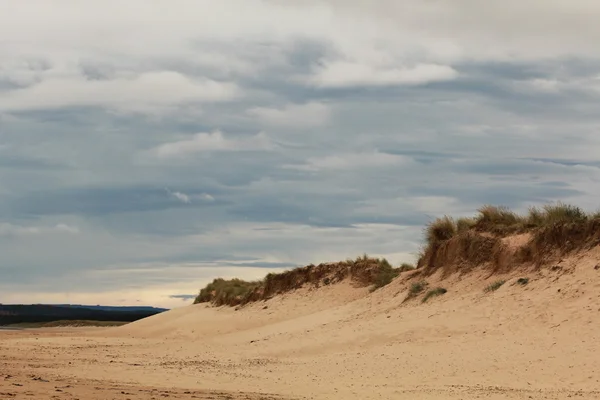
column 523, row 281
column 405, row 267
column 498, row 219
column 440, row 230
column 385, row 275
column 434, row 293
column 464, row 224
column 494, row 286
column 362, row 271
column 462, row 253
column 231, row 292
column 415, row 289
column 68, row 323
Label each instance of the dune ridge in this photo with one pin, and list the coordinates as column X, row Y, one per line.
column 496, row 239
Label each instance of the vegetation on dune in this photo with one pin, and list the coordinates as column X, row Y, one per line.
column 564, row 213
column 494, row 286
column 386, row 274
column 405, row 267
column 440, row 230
column 451, row 245
column 464, row 224
column 501, row 221
column 434, row 293
column 415, row 289
column 498, row 219
column 554, row 230
column 227, row 291
column 523, row 281
column 363, row 271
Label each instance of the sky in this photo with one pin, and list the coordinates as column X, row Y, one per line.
column 147, row 147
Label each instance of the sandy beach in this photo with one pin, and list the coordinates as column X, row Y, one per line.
column 535, row 341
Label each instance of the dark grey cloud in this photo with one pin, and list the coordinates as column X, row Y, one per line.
column 183, row 297
column 29, row 163
column 107, row 200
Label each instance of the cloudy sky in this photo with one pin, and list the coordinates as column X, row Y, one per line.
column 147, row 147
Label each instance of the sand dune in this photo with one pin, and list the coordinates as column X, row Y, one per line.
column 536, row 341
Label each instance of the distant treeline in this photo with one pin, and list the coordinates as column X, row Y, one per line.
column 15, row 314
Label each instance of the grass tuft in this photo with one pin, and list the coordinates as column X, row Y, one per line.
column 439, row 230
column 563, row 213
column 464, row 224
column 404, row 267
column 221, row 291
column 594, row 215
column 535, row 218
column 385, row 275
column 497, row 217
column 415, row 289
column 434, row 293
column 494, row 286
column 523, row 281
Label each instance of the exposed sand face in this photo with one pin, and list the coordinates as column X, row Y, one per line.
column 338, row 342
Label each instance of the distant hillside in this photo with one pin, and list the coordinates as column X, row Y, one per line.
column 20, row 313
column 113, row 308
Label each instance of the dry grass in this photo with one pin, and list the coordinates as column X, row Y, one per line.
column 498, row 219
column 415, row 289
column 440, row 230
column 385, row 276
column 535, row 218
column 363, row 271
column 594, row 215
column 556, row 229
column 405, row 267
column 523, row 281
column 561, row 213
column 452, row 246
column 462, row 253
column 494, row 286
column 502, row 221
column 231, row 292
column 434, row 293
column 464, row 224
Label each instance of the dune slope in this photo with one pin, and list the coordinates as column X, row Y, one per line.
column 535, row 340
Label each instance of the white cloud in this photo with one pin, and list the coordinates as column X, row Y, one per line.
column 368, row 43
column 206, row 197
column 66, row 228
column 349, row 161
column 187, row 199
column 215, row 141
column 182, row 197
column 544, row 85
column 342, row 74
column 293, row 115
column 141, row 93
column 10, row 230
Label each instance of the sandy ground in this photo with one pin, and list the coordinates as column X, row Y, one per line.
column 539, row 341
